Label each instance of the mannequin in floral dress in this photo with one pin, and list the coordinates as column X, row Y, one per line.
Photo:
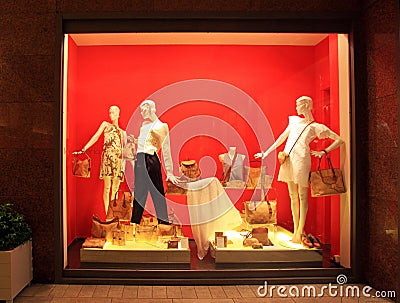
column 111, row 170
column 295, row 171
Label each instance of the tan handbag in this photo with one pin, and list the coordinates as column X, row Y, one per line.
column 121, row 208
column 282, row 157
column 261, row 212
column 326, row 182
column 94, row 243
column 165, row 230
column 189, row 170
column 129, row 150
column 103, row 229
column 81, row 168
column 253, row 176
column 261, row 234
column 257, row 177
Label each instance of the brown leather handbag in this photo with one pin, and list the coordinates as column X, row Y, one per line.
column 190, row 170
column 261, row 234
column 121, row 208
column 103, row 229
column 326, row 182
column 261, row 212
column 81, row 168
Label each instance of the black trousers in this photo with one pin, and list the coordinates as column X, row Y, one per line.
column 148, row 178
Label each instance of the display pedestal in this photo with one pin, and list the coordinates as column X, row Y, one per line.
column 283, row 253
column 135, row 255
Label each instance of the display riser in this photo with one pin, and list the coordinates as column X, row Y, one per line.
column 132, row 256
column 265, row 258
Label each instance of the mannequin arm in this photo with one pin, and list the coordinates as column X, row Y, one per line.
column 124, row 138
column 277, row 143
column 335, row 144
column 95, row 137
column 166, row 151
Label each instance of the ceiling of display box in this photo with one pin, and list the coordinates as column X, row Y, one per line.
column 199, row 38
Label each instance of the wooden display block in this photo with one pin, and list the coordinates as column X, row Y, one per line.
column 282, row 254
column 135, row 255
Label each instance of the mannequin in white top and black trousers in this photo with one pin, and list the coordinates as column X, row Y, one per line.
column 153, row 136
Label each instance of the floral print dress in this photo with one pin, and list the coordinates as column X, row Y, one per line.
column 111, row 158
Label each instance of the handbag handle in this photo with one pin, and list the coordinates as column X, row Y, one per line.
column 115, row 198
column 265, row 200
column 80, row 153
column 330, row 166
column 97, row 219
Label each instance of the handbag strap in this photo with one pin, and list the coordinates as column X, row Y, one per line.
column 80, row 153
column 115, row 198
column 97, row 219
column 228, row 171
column 300, row 135
column 329, row 163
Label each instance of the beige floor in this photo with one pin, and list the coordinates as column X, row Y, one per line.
column 166, row 294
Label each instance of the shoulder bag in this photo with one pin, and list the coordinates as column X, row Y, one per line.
column 326, row 182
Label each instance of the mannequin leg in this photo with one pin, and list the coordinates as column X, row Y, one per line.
column 141, row 182
column 115, row 187
column 303, row 194
column 106, row 192
column 294, row 203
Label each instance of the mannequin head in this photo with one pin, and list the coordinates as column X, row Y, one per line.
column 114, row 112
column 303, row 105
column 148, row 108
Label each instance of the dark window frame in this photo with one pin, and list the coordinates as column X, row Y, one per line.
column 207, row 22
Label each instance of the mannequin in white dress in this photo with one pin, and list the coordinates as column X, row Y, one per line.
column 295, row 171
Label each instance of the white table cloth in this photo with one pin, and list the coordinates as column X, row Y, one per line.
column 210, row 210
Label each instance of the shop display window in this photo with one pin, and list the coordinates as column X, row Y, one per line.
column 225, row 97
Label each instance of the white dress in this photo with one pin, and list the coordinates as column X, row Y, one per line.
column 297, row 169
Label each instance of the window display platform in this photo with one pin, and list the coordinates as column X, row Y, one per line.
column 282, row 254
column 135, row 255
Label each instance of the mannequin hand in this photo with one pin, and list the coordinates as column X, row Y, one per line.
column 172, row 178
column 260, row 155
column 318, row 154
column 78, row 152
